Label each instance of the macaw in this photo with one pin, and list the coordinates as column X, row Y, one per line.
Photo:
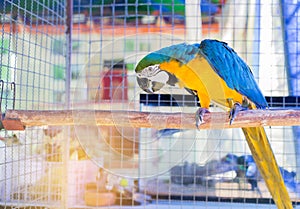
column 213, row 71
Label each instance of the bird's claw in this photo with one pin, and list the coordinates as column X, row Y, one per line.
column 200, row 116
column 237, row 107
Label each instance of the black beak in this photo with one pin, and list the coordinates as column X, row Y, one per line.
column 156, row 86
column 144, row 84
column 148, row 85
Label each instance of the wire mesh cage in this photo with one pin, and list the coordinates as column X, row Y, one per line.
column 77, row 131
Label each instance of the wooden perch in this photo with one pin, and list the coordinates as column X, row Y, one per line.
column 158, row 120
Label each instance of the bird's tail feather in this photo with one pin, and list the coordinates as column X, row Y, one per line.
column 265, row 160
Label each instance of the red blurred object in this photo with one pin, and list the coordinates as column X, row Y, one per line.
column 114, row 83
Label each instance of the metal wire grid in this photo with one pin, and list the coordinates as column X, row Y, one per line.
column 116, row 40
column 32, row 57
column 31, row 47
column 108, row 38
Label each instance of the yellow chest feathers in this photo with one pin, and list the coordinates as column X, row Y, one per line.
column 198, row 75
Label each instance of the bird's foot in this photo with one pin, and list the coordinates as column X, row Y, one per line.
column 236, row 108
column 200, row 116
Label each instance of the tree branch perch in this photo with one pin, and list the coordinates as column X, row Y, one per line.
column 14, row 119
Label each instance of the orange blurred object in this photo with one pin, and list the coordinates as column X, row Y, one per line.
column 94, row 197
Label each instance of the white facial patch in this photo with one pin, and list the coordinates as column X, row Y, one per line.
column 154, row 73
column 161, row 77
column 149, row 71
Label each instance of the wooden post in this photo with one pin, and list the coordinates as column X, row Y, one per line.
column 158, row 120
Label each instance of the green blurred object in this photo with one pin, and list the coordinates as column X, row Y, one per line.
column 132, row 7
column 130, row 66
column 35, row 6
column 59, row 46
column 129, row 45
column 4, row 46
column 4, row 73
column 59, row 72
column 75, row 45
column 176, row 6
column 220, row 2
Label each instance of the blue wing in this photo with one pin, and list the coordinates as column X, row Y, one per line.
column 233, row 70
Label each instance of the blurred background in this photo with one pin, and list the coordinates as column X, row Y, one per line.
column 73, row 55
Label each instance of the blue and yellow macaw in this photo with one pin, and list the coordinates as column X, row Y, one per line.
column 214, row 72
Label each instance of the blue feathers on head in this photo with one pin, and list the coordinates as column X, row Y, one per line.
column 183, row 53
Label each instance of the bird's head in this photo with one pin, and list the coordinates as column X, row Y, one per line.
column 150, row 76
